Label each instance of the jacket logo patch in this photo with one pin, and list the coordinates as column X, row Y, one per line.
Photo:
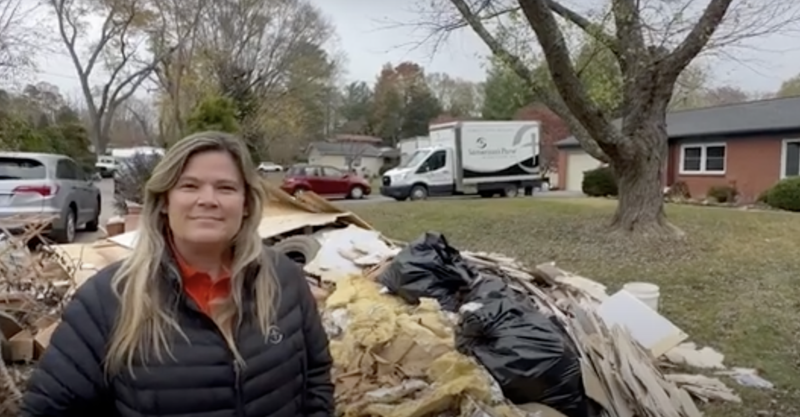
column 275, row 336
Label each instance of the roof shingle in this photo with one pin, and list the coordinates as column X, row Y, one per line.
column 762, row 116
column 346, row 149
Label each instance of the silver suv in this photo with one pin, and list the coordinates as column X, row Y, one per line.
column 46, row 184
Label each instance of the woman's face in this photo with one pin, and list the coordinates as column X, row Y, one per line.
column 207, row 204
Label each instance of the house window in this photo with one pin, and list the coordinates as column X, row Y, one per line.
column 791, row 158
column 703, row 159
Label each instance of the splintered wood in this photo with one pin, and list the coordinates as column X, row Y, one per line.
column 619, row 373
column 34, row 288
column 32, row 284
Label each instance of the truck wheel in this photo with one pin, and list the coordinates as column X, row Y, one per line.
column 419, row 192
column 510, row 191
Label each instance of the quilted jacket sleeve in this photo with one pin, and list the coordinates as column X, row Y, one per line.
column 69, row 379
column 319, row 394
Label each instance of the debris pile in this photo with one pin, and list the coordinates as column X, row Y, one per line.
column 395, row 359
column 34, row 288
column 421, row 329
column 548, row 339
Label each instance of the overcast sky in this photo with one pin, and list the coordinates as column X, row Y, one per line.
column 365, row 34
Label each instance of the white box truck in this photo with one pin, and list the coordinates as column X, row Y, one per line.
column 482, row 157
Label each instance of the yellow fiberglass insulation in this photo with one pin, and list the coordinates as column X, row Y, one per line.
column 398, row 360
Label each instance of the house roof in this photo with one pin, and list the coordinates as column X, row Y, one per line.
column 763, row 116
column 346, row 137
column 345, row 149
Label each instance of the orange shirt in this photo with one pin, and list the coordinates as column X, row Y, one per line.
column 200, row 286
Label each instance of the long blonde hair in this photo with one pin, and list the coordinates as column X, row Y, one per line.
column 145, row 322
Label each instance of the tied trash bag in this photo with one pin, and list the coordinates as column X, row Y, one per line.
column 429, row 268
column 522, row 349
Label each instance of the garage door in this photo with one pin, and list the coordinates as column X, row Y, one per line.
column 578, row 161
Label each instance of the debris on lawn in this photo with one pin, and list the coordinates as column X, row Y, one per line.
column 422, row 328
column 688, row 354
column 34, row 288
column 747, row 377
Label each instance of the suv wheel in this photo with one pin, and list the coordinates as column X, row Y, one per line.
column 94, row 224
column 67, row 233
column 356, row 193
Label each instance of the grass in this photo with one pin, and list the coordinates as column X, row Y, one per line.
column 732, row 284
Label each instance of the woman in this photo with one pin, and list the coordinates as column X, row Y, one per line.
column 201, row 319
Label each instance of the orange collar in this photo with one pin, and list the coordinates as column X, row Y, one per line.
column 189, row 272
column 199, row 285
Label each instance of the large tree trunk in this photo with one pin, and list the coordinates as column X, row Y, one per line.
column 639, row 173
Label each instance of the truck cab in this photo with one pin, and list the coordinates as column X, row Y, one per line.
column 427, row 172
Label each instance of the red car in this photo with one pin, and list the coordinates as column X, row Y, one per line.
column 325, row 181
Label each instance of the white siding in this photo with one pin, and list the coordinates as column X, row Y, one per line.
column 578, row 161
column 369, row 166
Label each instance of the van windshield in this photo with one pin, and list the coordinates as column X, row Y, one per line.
column 416, row 158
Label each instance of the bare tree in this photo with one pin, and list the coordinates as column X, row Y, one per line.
column 18, row 36
column 180, row 19
column 354, row 151
column 255, row 41
column 458, row 97
column 652, row 42
column 120, row 46
column 137, row 120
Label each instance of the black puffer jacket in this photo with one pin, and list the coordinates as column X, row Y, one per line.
column 286, row 375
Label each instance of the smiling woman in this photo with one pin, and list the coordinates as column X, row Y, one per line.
column 201, row 311
column 207, row 205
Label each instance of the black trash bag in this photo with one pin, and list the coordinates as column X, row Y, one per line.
column 429, row 268
column 524, row 351
column 489, row 287
column 492, row 287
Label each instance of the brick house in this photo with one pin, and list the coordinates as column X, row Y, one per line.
column 750, row 146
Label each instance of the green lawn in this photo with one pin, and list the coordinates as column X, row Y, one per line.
column 732, row 284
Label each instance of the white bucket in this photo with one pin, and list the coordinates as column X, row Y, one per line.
column 644, row 292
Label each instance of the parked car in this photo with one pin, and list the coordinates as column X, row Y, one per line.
column 325, row 181
column 266, row 167
column 48, row 184
column 106, row 166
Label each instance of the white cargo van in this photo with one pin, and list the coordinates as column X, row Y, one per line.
column 484, row 158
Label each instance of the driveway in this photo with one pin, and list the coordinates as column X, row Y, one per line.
column 106, row 187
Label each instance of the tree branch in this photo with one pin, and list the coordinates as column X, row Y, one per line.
column 563, row 73
column 516, row 64
column 696, row 40
column 592, row 29
column 630, row 37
